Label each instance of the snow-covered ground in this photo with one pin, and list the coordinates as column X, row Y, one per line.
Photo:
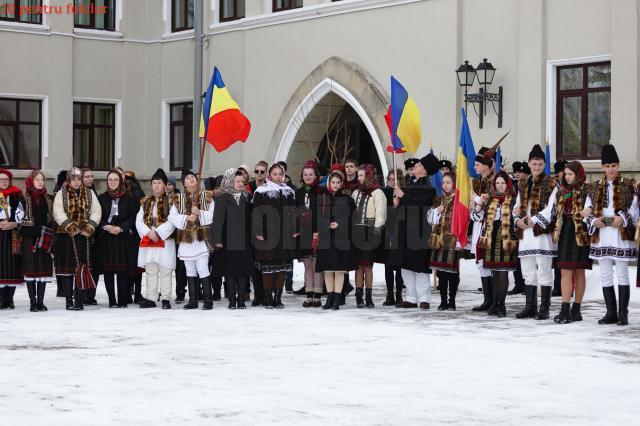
column 305, row 366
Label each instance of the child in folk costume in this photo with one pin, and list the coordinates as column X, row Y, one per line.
column 231, row 235
column 335, row 256
column 368, row 226
column 191, row 215
column 77, row 212
column 11, row 215
column 534, row 215
column 445, row 248
column 37, row 238
column 498, row 243
column 573, row 240
column 612, row 209
column 157, row 253
column 306, row 201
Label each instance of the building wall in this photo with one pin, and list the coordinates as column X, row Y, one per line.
column 265, row 57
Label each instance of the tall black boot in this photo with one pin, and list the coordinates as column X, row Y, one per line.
column 545, row 303
column 531, row 305
column 60, row 287
column 493, row 309
column 277, row 300
column 623, row 310
column 359, row 301
column 192, row 286
column 232, row 289
column 68, row 291
column 11, row 290
column 452, row 283
column 442, row 287
column 488, row 295
column 257, row 290
column 181, row 281
column 611, row 317
column 217, row 288
column 502, row 288
column 40, row 288
column 207, row 293
column 242, row 283
column 31, row 289
column 267, row 299
column 368, row 297
column 122, row 289
column 109, row 286
column 78, row 299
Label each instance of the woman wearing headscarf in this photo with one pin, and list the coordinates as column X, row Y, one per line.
column 37, row 238
column 11, row 215
column 231, row 236
column 369, row 219
column 112, row 246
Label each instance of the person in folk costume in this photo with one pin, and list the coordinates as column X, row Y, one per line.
column 274, row 234
column 231, row 235
column 77, row 212
column 306, row 203
column 11, row 215
column 571, row 235
column 535, row 218
column 521, row 173
column 37, row 239
column 157, row 253
column 558, row 169
column 409, row 165
column 335, row 256
column 369, row 219
column 392, row 270
column 413, row 202
column 445, row 248
column 484, row 167
column 498, row 242
column 611, row 211
column 191, row 215
column 446, row 166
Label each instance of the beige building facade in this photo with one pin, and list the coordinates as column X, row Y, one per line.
column 121, row 96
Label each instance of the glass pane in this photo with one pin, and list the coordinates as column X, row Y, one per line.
column 81, row 113
column 240, row 8
column 178, row 13
column 599, row 76
column 81, row 147
column 178, row 146
column 571, row 125
column 30, row 111
column 8, row 110
column 103, row 115
column 188, row 112
column 103, row 149
column 599, row 122
column 29, row 147
column 82, row 17
column 6, row 146
column 571, row 78
column 190, row 14
column 32, row 18
column 176, row 112
column 227, row 8
column 4, row 11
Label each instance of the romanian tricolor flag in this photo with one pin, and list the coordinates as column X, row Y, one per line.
column 222, row 124
column 465, row 171
column 405, row 120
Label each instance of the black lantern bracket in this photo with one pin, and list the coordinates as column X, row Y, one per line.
column 484, row 73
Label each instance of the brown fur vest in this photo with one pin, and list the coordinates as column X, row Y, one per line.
column 578, row 197
column 541, row 189
column 441, row 236
column 623, row 192
column 509, row 241
column 193, row 231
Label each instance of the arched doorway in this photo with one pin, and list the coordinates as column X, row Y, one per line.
column 340, row 116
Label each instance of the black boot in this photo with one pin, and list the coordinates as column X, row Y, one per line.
column 277, row 300
column 623, row 309
column 564, row 317
column 267, row 299
column 192, row 287
column 531, row 305
column 31, row 289
column 288, row 282
column 453, row 290
column 399, row 298
column 493, row 309
column 329, row 302
column 359, row 301
column 78, row 300
column 241, row 288
column 390, row 300
column 309, row 302
column 368, row 297
column 166, row 304
column 317, row 300
column 10, row 291
column 217, row 286
column 207, row 293
column 488, row 295
column 442, row 287
column 257, row 292
column 67, row 283
column 147, row 304
column 576, row 315
column 90, row 296
column 111, row 292
column 232, row 290
column 335, row 306
column 611, row 316
column 40, row 288
column 60, row 288
column 346, row 289
column 517, row 289
column 545, row 303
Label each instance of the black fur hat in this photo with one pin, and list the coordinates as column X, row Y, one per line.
column 160, row 174
column 609, row 154
column 537, row 152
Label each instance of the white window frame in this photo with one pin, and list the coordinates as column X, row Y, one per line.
column 116, row 33
column 44, row 26
column 166, row 21
column 552, row 66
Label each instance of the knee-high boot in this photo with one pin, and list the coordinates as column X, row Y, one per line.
column 623, row 309
column 40, row 288
column 545, row 303
column 60, row 286
column 31, row 289
column 67, row 283
column 487, row 293
column 207, row 293
column 611, row 317
column 192, row 286
column 232, row 289
column 453, row 290
column 531, row 305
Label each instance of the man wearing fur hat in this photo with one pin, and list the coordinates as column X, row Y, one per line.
column 535, row 218
column 192, row 215
column 484, row 163
column 77, row 212
column 157, row 254
column 611, row 211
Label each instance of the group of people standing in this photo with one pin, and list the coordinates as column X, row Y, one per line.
column 337, row 221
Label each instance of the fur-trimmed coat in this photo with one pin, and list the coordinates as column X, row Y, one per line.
column 76, row 213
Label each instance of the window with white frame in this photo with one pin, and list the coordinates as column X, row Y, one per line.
column 231, row 10
column 95, row 14
column 23, row 11
column 94, row 130
column 20, row 133
column 181, row 15
column 181, row 135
